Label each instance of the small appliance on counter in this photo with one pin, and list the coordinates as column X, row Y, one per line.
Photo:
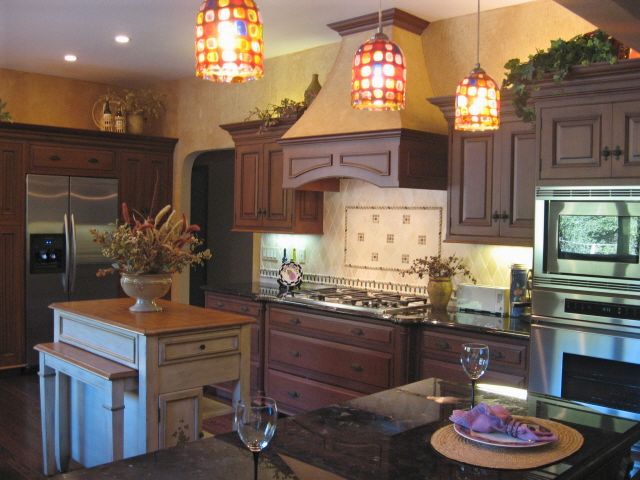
column 483, row 299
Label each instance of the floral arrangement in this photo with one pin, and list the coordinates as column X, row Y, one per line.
column 165, row 243
column 273, row 114
column 5, row 116
column 144, row 101
column 437, row 266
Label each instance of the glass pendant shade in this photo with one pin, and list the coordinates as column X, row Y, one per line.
column 477, row 102
column 229, row 45
column 379, row 75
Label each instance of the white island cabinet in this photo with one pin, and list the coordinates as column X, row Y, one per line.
column 175, row 352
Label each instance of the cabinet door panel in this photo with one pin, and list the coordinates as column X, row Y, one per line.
column 246, row 191
column 517, row 187
column 626, row 136
column 139, row 172
column 572, row 141
column 11, row 183
column 277, row 201
column 11, row 296
column 471, row 189
column 179, row 417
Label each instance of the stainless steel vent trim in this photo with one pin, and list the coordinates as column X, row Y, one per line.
column 592, row 193
column 546, row 280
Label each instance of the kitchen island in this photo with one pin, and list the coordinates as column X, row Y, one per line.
column 387, row 436
column 175, row 353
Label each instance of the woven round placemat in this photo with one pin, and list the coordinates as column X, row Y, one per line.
column 448, row 443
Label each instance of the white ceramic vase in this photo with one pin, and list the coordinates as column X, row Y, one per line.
column 146, row 289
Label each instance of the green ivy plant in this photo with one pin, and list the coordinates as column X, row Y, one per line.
column 557, row 60
column 273, row 114
column 5, row 116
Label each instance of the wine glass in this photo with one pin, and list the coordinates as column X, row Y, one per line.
column 256, row 424
column 474, row 358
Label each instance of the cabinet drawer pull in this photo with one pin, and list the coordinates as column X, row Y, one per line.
column 442, row 345
column 93, row 160
column 497, row 355
column 356, row 367
column 244, row 309
column 295, row 321
column 496, row 216
column 55, row 158
column 203, row 347
column 617, row 152
column 505, row 215
column 293, row 394
column 219, row 304
column 606, row 152
column 357, row 331
column 295, row 353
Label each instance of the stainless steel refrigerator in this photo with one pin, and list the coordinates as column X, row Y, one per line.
column 62, row 258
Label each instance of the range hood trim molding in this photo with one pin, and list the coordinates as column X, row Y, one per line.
column 392, row 16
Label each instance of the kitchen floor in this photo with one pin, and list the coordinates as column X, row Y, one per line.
column 20, row 441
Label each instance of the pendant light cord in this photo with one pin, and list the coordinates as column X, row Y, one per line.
column 478, row 38
column 380, row 16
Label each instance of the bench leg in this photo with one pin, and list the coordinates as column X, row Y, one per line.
column 47, row 379
column 62, row 422
column 114, row 404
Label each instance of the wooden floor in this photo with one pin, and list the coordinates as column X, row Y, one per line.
column 20, row 442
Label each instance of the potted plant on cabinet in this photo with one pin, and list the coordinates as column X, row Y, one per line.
column 147, row 251
column 440, row 271
column 140, row 105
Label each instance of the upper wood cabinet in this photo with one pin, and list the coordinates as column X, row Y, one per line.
column 491, row 181
column 139, row 172
column 588, row 126
column 261, row 204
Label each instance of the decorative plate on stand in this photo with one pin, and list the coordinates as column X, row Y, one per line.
column 290, row 274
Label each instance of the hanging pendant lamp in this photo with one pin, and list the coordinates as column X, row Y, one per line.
column 477, row 98
column 378, row 75
column 229, row 41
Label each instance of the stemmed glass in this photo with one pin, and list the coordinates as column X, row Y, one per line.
column 474, row 358
column 256, row 424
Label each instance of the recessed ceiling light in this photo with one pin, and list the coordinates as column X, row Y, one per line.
column 122, row 39
column 70, row 57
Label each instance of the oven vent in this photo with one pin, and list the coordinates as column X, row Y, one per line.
column 604, row 192
column 630, row 287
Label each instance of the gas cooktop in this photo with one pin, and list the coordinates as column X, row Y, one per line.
column 377, row 303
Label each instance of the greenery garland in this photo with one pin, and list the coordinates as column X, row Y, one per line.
column 582, row 49
column 5, row 116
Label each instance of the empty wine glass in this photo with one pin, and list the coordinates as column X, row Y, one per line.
column 256, row 424
column 474, row 358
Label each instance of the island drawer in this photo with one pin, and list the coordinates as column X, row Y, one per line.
column 330, row 358
column 231, row 304
column 345, row 329
column 296, row 394
column 448, row 347
column 180, row 348
column 48, row 157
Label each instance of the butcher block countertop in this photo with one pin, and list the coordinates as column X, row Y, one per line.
column 174, row 318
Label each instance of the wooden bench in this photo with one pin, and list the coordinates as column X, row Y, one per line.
column 58, row 363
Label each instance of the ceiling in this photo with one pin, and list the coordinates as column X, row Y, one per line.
column 36, row 34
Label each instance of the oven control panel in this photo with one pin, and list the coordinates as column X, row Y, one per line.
column 602, row 309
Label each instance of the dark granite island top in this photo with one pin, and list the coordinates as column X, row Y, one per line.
column 385, row 436
column 269, row 292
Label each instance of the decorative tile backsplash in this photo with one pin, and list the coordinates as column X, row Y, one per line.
column 325, row 254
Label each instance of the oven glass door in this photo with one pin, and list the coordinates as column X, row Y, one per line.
column 593, row 238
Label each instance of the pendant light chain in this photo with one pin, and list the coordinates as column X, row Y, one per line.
column 478, row 38
column 380, row 16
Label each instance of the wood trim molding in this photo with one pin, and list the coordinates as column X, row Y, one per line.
column 393, row 16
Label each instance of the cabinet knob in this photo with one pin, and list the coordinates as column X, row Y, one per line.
column 293, row 394
column 497, row 355
column 54, row 158
column 219, row 304
column 606, row 152
column 356, row 367
column 244, row 309
column 505, row 215
column 203, row 347
column 617, row 152
column 442, row 345
column 496, row 216
column 93, row 160
column 357, row 331
column 295, row 353
column 295, row 321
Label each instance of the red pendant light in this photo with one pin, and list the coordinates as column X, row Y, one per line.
column 229, row 45
column 379, row 74
column 477, row 98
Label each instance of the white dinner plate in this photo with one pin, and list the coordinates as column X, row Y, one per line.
column 498, row 439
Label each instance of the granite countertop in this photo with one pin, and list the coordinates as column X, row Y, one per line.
column 491, row 324
column 382, row 436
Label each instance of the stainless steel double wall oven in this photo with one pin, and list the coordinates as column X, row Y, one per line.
column 585, row 333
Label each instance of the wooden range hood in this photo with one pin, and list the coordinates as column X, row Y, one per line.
column 389, row 149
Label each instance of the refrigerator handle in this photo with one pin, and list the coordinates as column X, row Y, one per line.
column 74, row 252
column 67, row 256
